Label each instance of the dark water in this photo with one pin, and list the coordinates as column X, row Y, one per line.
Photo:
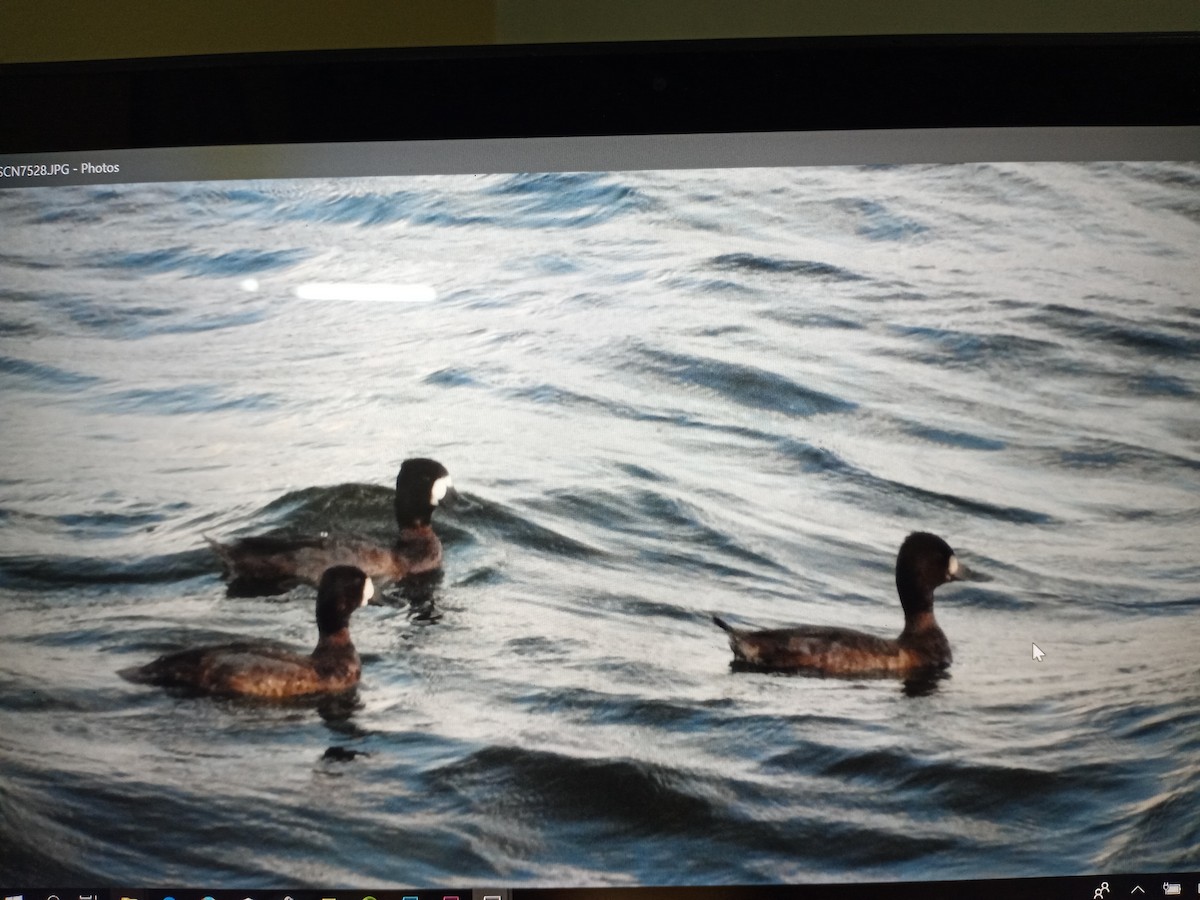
column 662, row 395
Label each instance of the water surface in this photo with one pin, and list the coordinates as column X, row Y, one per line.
column 662, row 395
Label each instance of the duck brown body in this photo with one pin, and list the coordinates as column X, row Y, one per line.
column 274, row 564
column 924, row 562
column 264, row 565
column 839, row 651
column 269, row 670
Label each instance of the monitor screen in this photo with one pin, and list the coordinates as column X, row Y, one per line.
column 646, row 456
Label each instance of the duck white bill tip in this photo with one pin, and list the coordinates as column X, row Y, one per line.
column 440, row 487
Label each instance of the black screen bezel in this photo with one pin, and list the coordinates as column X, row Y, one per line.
column 802, row 84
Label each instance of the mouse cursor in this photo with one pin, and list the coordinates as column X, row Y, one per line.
column 1038, row 654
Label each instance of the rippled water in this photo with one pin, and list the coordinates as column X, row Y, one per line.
column 662, row 395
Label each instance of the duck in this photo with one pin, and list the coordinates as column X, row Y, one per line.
column 269, row 670
column 924, row 563
column 266, row 565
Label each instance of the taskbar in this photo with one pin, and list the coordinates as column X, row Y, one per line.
column 1082, row 887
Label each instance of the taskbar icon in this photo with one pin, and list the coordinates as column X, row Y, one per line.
column 192, row 893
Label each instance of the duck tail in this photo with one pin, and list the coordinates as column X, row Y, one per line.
column 137, row 674
column 223, row 553
column 722, row 624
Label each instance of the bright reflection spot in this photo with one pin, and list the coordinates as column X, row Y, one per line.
column 249, row 284
column 371, row 293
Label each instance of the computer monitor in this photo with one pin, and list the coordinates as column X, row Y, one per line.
column 700, row 335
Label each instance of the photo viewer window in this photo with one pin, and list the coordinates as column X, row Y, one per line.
column 693, row 503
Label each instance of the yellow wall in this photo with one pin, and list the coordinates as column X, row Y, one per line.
column 565, row 20
column 33, row 30
column 39, row 30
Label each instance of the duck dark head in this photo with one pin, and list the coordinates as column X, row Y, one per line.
column 924, row 563
column 421, row 485
column 343, row 589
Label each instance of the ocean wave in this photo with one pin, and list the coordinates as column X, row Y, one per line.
column 878, row 222
column 370, row 209
column 568, row 200
column 187, row 399
column 52, row 573
column 43, row 376
column 639, row 795
column 197, row 263
column 957, row 348
column 749, row 262
column 745, row 385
